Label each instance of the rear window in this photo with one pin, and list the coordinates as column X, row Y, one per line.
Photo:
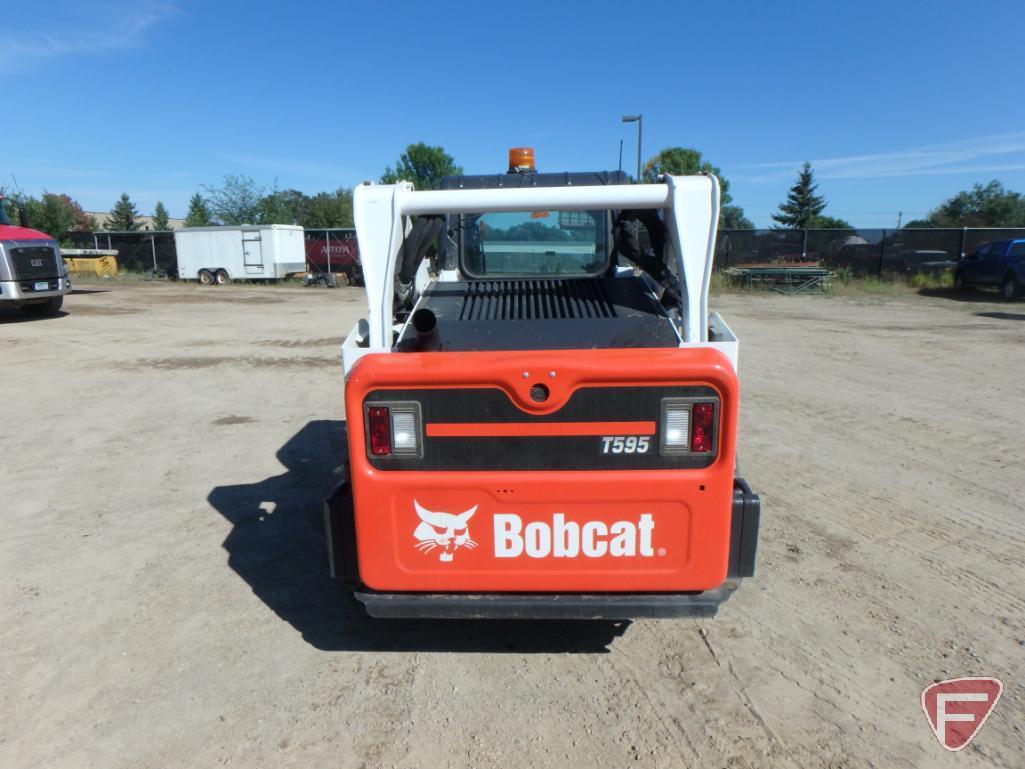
column 532, row 243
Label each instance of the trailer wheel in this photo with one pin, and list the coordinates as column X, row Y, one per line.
column 50, row 307
column 222, row 277
column 206, row 278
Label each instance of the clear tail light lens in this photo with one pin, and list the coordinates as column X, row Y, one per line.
column 405, row 432
column 676, row 429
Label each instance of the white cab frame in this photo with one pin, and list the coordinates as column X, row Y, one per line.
column 690, row 206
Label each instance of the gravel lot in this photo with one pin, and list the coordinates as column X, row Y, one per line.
column 165, row 598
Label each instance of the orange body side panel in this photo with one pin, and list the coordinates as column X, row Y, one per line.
column 600, row 530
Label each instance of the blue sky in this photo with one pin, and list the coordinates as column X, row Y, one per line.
column 898, row 105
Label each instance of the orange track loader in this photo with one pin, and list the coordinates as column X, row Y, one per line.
column 541, row 411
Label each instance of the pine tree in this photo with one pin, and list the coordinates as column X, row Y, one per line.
column 122, row 215
column 160, row 217
column 198, row 214
column 803, row 206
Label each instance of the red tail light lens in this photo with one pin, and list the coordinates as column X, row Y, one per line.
column 702, row 427
column 379, row 427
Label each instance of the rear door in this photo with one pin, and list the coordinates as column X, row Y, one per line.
column 970, row 265
column 252, row 253
column 541, row 471
column 989, row 264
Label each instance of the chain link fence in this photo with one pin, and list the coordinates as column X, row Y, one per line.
column 149, row 252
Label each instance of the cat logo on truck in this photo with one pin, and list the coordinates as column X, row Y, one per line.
column 542, row 416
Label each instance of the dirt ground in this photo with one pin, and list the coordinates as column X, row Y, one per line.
column 165, row 600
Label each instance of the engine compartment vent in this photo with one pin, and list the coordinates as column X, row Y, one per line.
column 547, row 299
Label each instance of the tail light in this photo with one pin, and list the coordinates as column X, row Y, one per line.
column 702, row 426
column 688, row 426
column 379, row 428
column 394, row 429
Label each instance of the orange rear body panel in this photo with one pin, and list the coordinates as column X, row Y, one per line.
column 590, row 530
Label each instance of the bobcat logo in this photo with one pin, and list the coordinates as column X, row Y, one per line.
column 443, row 530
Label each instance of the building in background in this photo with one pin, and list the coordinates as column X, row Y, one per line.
column 144, row 223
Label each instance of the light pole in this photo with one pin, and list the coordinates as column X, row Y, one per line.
column 639, row 120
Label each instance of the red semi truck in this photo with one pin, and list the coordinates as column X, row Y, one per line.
column 32, row 273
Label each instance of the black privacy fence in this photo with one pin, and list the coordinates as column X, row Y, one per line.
column 862, row 251
column 875, row 252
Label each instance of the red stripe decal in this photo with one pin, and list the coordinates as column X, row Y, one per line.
column 535, row 429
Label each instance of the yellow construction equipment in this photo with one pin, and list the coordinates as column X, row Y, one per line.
column 99, row 263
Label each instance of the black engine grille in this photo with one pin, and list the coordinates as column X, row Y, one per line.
column 34, row 262
column 535, row 300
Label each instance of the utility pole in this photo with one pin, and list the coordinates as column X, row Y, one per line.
column 639, row 120
column 900, row 215
column 620, row 155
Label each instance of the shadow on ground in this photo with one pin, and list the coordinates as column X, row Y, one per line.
column 278, row 546
column 967, row 295
column 1002, row 315
column 90, row 291
column 14, row 315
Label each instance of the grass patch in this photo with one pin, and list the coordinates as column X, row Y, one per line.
column 723, row 283
column 846, row 283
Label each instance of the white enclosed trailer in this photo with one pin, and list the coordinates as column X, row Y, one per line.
column 246, row 252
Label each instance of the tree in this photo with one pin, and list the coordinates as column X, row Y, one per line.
column 198, row 214
column 422, row 165
column 830, row 223
column 686, row 161
column 56, row 215
column 803, row 206
column 284, row 207
column 236, row 201
column 122, row 215
column 732, row 218
column 160, row 217
column 330, row 209
column 983, row 206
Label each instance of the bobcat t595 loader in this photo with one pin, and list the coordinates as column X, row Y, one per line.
column 544, row 424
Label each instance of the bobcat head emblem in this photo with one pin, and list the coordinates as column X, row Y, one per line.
column 443, row 530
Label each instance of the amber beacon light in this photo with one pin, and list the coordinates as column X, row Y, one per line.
column 521, row 160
